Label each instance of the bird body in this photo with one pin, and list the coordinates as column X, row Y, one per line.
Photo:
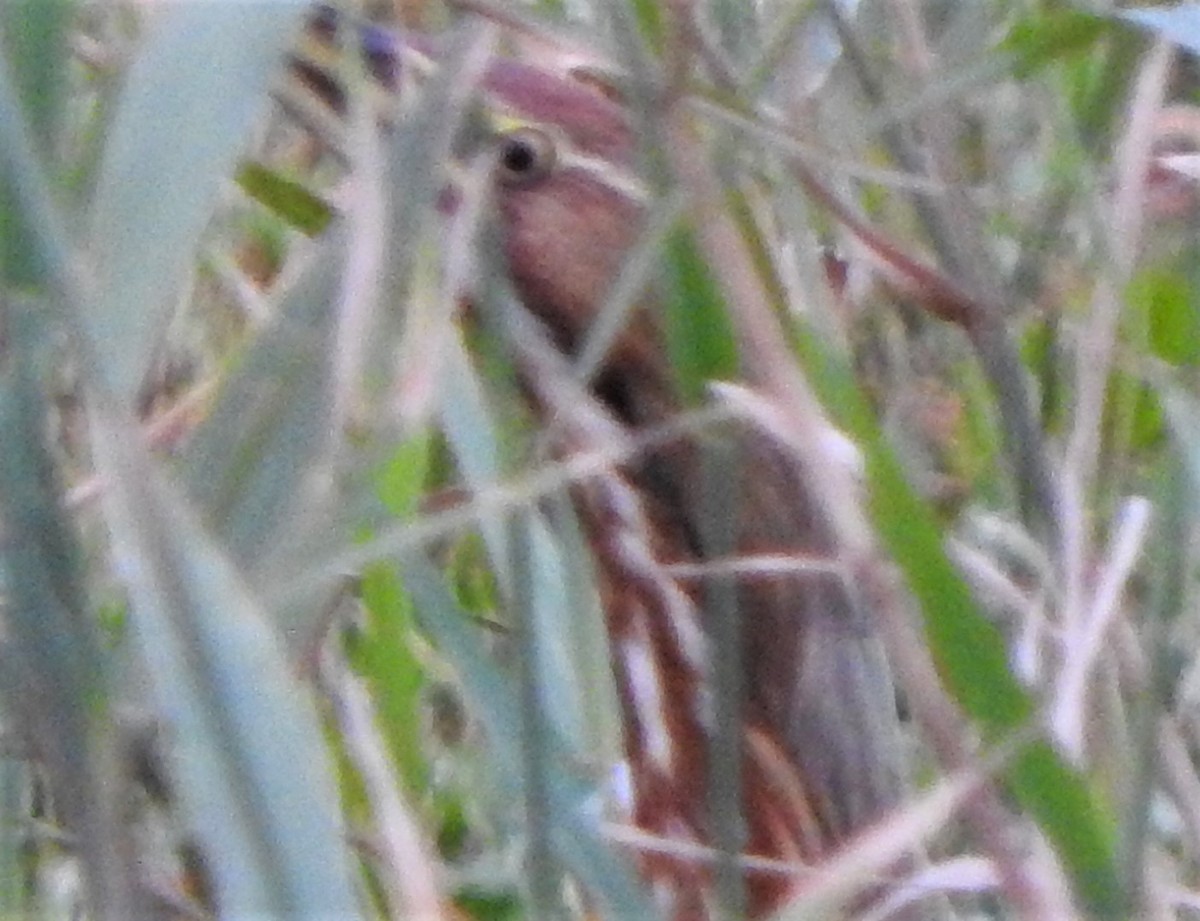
column 820, row 752
column 818, row 737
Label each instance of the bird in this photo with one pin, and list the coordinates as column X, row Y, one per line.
column 820, row 754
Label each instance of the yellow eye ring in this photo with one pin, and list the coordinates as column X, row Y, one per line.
column 524, row 155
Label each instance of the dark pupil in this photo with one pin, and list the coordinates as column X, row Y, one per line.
column 518, row 156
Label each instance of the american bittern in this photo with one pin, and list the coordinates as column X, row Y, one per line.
column 819, row 749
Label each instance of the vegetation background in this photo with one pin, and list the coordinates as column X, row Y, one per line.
column 296, row 620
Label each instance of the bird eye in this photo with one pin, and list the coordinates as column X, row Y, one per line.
column 524, row 156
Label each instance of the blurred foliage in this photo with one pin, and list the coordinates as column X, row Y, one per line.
column 289, row 582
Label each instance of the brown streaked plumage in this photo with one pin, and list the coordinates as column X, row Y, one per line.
column 820, row 755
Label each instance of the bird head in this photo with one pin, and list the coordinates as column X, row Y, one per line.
column 565, row 189
column 568, row 199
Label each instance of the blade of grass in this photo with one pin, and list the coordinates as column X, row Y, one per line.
column 555, row 625
column 189, row 100
column 970, row 652
column 253, row 465
column 290, row 199
column 255, row 782
column 53, row 667
column 570, row 807
column 15, row 898
column 563, row 634
column 541, row 873
column 33, row 37
column 33, row 240
column 718, row 522
column 700, row 339
column 32, row 48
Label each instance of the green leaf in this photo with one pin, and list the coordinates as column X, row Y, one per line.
column 289, row 199
column 1168, row 300
column 1083, row 835
column 649, row 16
column 489, row 906
column 1147, row 430
column 385, row 656
column 700, row 339
column 968, row 649
column 401, row 481
column 1040, row 39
